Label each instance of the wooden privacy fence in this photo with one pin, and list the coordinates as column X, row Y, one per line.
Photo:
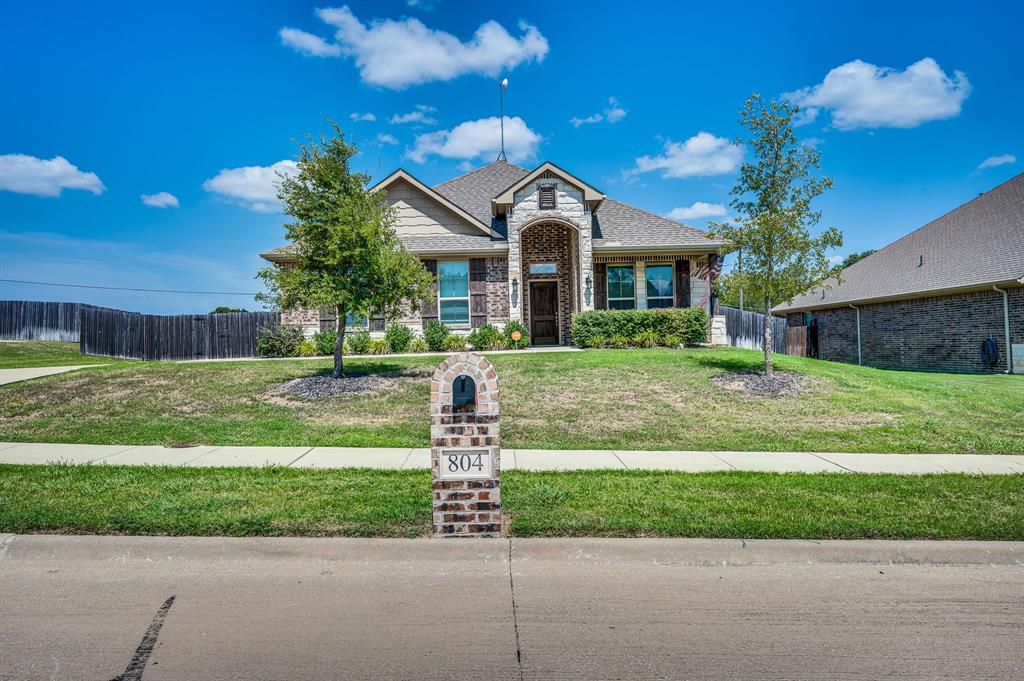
column 745, row 329
column 131, row 335
column 39, row 320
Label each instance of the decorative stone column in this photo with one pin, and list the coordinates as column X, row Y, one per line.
column 465, row 452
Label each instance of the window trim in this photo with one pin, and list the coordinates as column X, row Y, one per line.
column 608, row 285
column 671, row 297
column 469, row 308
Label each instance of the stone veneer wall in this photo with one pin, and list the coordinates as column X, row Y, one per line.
column 941, row 333
column 551, row 242
column 570, row 209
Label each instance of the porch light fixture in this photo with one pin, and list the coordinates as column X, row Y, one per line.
column 515, row 291
column 589, row 282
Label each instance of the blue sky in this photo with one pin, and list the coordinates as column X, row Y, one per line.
column 917, row 110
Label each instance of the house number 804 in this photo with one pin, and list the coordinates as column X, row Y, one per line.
column 466, row 464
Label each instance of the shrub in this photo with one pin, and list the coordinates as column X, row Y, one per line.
column 359, row 343
column 670, row 341
column 324, row 341
column 620, row 341
column 306, row 348
column 486, row 338
column 524, row 335
column 645, row 339
column 435, row 333
column 279, row 341
column 596, row 342
column 689, row 324
column 454, row 343
column 418, row 345
column 399, row 337
column 379, row 346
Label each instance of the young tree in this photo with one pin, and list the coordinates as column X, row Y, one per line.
column 348, row 256
column 778, row 256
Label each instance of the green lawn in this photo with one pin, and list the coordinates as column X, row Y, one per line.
column 602, row 399
column 365, row 503
column 18, row 354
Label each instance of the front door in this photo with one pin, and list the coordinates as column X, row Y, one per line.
column 544, row 312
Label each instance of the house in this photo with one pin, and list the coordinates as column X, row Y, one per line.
column 538, row 246
column 930, row 300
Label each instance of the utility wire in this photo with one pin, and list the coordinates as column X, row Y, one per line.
column 120, row 288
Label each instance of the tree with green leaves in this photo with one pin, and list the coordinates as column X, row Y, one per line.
column 347, row 255
column 778, row 257
column 855, row 257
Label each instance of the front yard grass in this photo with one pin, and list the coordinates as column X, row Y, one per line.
column 597, row 399
column 364, row 503
column 25, row 354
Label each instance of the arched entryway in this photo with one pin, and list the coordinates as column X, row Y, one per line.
column 550, row 262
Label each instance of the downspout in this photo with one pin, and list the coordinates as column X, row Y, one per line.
column 859, row 360
column 1006, row 328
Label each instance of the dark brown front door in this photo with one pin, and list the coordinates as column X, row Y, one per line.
column 544, row 312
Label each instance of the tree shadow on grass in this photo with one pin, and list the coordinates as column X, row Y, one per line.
column 728, row 364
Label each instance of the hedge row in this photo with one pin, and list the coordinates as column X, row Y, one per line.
column 619, row 328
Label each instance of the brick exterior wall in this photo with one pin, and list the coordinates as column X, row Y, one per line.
column 470, row 507
column 497, row 291
column 942, row 333
column 551, row 242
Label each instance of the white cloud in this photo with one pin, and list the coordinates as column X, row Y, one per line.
column 398, row 53
column 812, row 142
column 254, row 187
column 702, row 154
column 418, row 116
column 385, row 138
column 478, row 139
column 613, row 113
column 160, row 200
column 367, row 117
column 993, row 161
column 308, row 44
column 699, row 209
column 836, row 259
column 25, row 174
column 862, row 95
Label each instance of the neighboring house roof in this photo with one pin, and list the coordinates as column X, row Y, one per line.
column 616, row 226
column 979, row 244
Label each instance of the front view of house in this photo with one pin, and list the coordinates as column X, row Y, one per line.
column 537, row 246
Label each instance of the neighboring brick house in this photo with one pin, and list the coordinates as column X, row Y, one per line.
column 930, row 300
column 506, row 243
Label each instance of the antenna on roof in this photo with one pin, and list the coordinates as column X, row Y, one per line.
column 501, row 108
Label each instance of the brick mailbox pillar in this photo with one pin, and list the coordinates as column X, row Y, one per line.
column 465, row 451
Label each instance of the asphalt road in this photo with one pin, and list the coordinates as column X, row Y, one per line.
column 136, row 608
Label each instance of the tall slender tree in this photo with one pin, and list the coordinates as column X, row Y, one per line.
column 347, row 255
column 778, row 255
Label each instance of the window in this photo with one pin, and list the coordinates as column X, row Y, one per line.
column 354, row 320
column 453, row 291
column 548, row 200
column 621, row 289
column 543, row 268
column 659, row 286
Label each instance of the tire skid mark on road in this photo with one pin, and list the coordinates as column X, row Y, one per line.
column 138, row 662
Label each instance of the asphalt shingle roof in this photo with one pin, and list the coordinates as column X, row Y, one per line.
column 979, row 243
column 615, row 224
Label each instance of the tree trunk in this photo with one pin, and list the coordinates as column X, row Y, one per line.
column 339, row 343
column 768, row 369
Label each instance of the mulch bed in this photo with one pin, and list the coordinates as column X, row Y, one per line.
column 327, row 388
column 782, row 383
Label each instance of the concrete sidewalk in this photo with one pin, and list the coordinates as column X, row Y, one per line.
column 521, row 459
column 185, row 608
column 16, row 375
